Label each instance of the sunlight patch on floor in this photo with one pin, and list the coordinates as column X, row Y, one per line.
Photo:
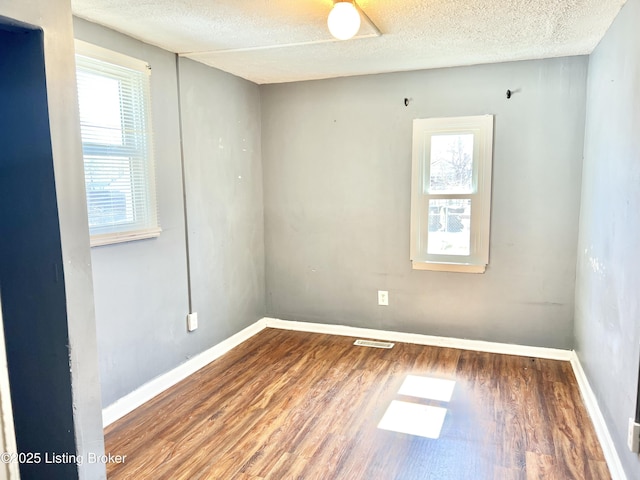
column 413, row 419
column 426, row 387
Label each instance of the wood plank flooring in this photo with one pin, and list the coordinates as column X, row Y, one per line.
column 295, row 405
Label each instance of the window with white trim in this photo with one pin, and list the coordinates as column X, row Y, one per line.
column 451, row 193
column 114, row 99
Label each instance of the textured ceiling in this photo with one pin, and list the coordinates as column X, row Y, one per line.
column 272, row 41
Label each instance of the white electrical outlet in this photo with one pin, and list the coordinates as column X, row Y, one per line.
column 633, row 438
column 383, row 297
column 192, row 321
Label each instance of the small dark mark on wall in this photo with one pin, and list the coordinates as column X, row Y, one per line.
column 511, row 92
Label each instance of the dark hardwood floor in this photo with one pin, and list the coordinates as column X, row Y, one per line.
column 294, row 405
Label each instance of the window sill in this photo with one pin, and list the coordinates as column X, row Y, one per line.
column 121, row 237
column 448, row 267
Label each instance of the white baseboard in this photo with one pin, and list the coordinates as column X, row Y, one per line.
column 389, row 336
column 159, row 384
column 599, row 423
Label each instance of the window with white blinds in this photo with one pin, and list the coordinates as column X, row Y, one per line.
column 115, row 122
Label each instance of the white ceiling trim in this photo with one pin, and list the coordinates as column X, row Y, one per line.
column 269, row 47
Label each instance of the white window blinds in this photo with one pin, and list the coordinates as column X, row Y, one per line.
column 114, row 100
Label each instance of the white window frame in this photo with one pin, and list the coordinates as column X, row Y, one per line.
column 145, row 224
column 423, row 129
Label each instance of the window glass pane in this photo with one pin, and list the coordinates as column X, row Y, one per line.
column 449, row 227
column 100, row 115
column 451, row 164
column 109, row 183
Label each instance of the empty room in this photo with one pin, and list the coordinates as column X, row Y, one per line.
column 319, row 239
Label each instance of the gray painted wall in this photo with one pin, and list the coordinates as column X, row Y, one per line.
column 337, row 166
column 141, row 291
column 54, row 16
column 607, row 326
column 222, row 139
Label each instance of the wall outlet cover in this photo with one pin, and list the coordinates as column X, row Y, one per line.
column 383, row 297
column 192, row 321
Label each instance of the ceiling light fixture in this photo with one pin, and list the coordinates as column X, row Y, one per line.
column 344, row 20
